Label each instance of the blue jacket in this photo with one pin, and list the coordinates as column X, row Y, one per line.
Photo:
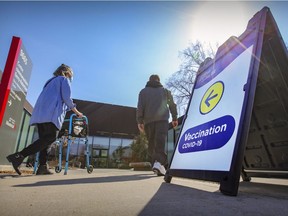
column 53, row 102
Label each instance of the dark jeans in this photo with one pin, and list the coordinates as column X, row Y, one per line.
column 47, row 135
column 156, row 133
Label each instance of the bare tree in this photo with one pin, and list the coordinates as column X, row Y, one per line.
column 181, row 82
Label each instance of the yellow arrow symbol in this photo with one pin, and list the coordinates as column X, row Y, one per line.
column 211, row 97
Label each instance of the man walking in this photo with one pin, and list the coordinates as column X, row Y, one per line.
column 154, row 104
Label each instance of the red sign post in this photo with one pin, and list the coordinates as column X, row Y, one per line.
column 8, row 74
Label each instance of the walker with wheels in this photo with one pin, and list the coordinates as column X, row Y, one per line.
column 78, row 128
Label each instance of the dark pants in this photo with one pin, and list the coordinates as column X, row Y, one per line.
column 47, row 135
column 156, row 133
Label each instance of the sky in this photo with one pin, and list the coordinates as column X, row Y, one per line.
column 114, row 46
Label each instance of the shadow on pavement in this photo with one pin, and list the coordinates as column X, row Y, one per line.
column 14, row 175
column 264, row 189
column 175, row 200
column 91, row 180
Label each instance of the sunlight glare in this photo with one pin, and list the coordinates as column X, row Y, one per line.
column 215, row 22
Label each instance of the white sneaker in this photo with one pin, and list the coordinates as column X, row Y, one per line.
column 158, row 169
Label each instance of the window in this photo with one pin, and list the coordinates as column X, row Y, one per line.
column 101, row 142
column 126, row 142
column 90, row 139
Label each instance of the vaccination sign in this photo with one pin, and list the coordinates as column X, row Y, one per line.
column 207, row 139
column 236, row 120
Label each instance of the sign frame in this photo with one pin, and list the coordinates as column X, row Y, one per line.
column 13, row 90
column 8, row 74
column 252, row 36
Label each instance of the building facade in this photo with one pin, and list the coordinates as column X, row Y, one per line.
column 25, row 135
column 111, row 131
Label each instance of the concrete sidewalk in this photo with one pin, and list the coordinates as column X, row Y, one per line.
column 125, row 192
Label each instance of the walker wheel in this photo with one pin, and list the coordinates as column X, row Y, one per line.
column 90, row 169
column 57, row 169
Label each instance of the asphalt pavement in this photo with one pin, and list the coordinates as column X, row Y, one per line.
column 126, row 192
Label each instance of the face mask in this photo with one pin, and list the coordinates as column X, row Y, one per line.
column 69, row 76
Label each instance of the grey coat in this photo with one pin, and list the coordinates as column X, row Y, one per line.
column 154, row 104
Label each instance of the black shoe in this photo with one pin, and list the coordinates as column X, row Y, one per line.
column 16, row 159
column 43, row 170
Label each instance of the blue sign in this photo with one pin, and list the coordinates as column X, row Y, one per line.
column 211, row 135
